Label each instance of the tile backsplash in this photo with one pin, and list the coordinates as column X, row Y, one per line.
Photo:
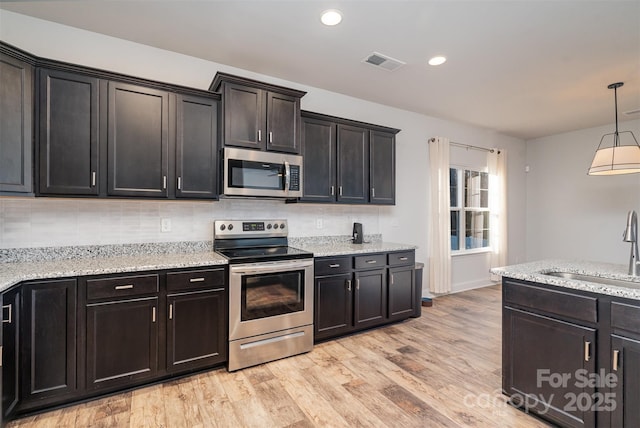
column 51, row 222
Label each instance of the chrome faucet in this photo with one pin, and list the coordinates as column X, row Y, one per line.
column 631, row 235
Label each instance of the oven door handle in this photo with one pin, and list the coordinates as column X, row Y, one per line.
column 269, row 268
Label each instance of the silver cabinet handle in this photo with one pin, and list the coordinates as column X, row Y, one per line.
column 348, row 285
column 357, row 284
column 10, row 320
column 93, row 179
column 123, row 287
column 164, row 182
column 587, row 351
column 334, row 265
column 372, row 262
column 391, row 278
column 340, row 190
column 616, row 357
column 171, row 311
column 259, row 135
column 373, row 192
column 153, row 314
column 179, row 183
column 333, row 190
column 270, row 137
column 404, row 259
column 196, row 279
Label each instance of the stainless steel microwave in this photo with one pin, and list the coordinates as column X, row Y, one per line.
column 263, row 174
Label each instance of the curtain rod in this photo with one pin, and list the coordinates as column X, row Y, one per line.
column 467, row 146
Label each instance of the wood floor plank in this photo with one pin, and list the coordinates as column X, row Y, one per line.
column 442, row 370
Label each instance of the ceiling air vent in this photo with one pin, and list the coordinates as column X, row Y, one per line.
column 383, row 61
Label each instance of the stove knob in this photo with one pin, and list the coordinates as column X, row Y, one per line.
column 230, row 227
column 275, row 226
column 269, row 226
column 223, row 227
column 281, row 225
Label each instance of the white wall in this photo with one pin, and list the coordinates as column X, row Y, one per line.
column 573, row 215
column 41, row 222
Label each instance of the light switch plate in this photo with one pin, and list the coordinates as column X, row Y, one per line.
column 165, row 225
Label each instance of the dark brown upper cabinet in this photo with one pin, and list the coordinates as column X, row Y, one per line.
column 138, row 141
column 16, row 121
column 68, row 133
column 347, row 161
column 257, row 115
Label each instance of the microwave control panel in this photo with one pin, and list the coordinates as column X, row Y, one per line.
column 294, row 174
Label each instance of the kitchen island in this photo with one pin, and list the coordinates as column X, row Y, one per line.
column 571, row 342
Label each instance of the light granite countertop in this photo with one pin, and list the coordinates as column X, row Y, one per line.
column 13, row 273
column 49, row 263
column 535, row 272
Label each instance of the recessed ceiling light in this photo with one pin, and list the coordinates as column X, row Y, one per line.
column 331, row 17
column 437, row 60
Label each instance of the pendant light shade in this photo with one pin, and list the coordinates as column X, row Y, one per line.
column 616, row 158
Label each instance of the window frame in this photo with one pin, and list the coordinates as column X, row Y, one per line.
column 462, row 210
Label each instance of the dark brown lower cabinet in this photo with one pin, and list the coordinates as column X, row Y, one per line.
column 48, row 342
column 402, row 292
column 10, row 350
column 626, row 391
column 122, row 342
column 196, row 337
column 333, row 305
column 370, row 298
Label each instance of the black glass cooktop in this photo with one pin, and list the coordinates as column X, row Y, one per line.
column 262, row 254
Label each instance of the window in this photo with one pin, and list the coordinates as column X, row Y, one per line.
column 469, row 199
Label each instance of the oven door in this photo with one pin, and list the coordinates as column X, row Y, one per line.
column 270, row 296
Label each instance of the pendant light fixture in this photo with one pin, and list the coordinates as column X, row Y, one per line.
column 617, row 158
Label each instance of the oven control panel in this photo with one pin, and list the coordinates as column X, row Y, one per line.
column 249, row 228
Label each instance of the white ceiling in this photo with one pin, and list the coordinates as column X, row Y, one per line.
column 523, row 68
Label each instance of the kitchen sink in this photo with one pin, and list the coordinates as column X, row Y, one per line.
column 591, row 278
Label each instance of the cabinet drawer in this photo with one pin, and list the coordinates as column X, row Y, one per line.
column 195, row 279
column 403, row 258
column 555, row 302
column 625, row 316
column 332, row 266
column 370, row 261
column 123, row 286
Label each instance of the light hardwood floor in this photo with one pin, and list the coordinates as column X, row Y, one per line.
column 442, row 369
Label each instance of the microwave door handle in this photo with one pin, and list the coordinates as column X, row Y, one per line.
column 287, row 175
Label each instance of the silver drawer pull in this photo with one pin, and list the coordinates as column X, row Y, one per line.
column 404, row 259
column 124, row 287
column 153, row 314
column 587, row 351
column 372, row 262
column 616, row 357
column 171, row 311
column 335, row 265
column 10, row 320
column 196, row 280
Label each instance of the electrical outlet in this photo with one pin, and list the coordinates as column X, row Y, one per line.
column 319, row 224
column 165, row 225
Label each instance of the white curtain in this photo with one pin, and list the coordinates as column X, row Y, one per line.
column 497, row 166
column 439, row 218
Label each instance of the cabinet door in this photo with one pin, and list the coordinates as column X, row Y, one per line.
column 196, row 145
column 48, row 342
column 10, row 350
column 196, row 330
column 627, row 382
column 319, row 156
column 353, row 164
column 122, row 343
column 244, row 117
column 333, row 306
column 138, row 141
column 16, row 125
column 402, row 293
column 283, row 123
column 383, row 168
column 370, row 296
column 68, row 142
column 544, row 360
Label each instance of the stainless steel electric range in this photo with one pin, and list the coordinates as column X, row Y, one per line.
column 270, row 291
